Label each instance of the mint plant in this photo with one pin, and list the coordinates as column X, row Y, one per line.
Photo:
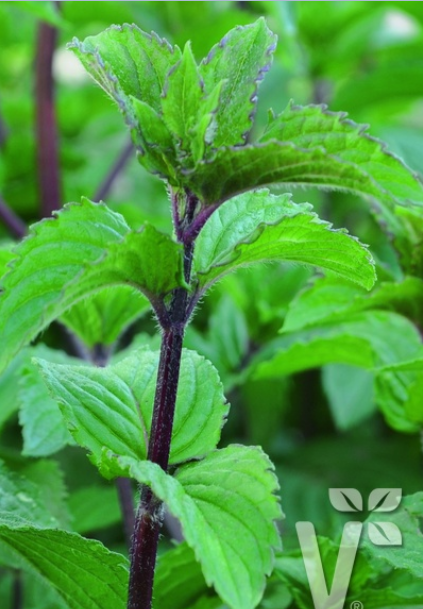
column 155, row 416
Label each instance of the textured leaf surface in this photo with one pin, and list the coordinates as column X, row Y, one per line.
column 84, row 573
column 127, row 61
column 43, row 430
column 241, row 59
column 87, row 247
column 112, row 407
column 101, row 318
column 259, row 227
column 227, row 507
column 132, row 67
column 182, row 97
column 378, row 172
column 234, row 170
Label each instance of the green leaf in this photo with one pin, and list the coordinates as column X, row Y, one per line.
column 304, row 351
column 132, row 67
column 49, row 478
column 102, row 318
column 6, row 256
column 407, row 237
column 378, row 173
column 9, row 388
column 350, row 394
column 42, row 422
column 408, row 520
column 241, row 59
column 226, row 341
column 236, row 169
column 398, row 389
column 84, row 249
column 182, row 97
column 112, row 407
column 227, row 508
column 328, row 299
column 94, row 508
column 259, row 227
column 22, row 501
column 203, row 132
column 84, row 573
column 179, row 582
column 154, row 141
column 360, row 340
column 126, row 61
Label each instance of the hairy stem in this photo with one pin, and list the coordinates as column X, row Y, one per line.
column 46, row 127
column 149, row 517
column 120, row 163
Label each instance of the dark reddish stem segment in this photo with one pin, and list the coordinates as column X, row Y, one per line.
column 149, row 518
column 17, row 591
column 11, row 220
column 46, row 127
column 115, row 170
column 126, row 503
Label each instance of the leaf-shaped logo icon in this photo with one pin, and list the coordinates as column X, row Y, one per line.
column 385, row 499
column 346, row 499
column 384, row 534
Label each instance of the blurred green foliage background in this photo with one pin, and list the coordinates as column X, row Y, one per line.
column 320, row 426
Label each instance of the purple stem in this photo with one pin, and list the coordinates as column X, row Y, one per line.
column 46, row 127
column 11, row 220
column 126, row 502
column 17, row 591
column 115, row 170
column 149, row 517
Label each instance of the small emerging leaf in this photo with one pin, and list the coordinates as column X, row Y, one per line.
column 240, row 59
column 182, row 97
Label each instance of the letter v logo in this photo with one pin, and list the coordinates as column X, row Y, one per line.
column 334, row 599
column 380, row 533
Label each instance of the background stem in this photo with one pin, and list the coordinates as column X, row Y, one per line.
column 11, row 220
column 126, row 502
column 46, row 127
column 17, row 591
column 120, row 163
